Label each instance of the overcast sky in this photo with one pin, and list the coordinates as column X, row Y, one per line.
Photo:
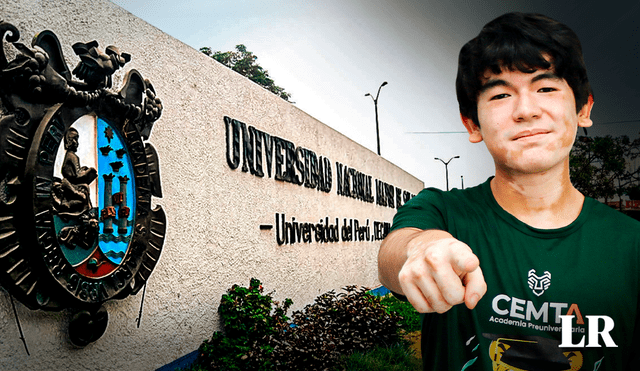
column 329, row 53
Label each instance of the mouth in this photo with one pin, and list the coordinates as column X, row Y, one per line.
column 530, row 133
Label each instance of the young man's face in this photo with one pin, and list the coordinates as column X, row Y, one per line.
column 527, row 120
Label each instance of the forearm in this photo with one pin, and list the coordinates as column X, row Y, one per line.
column 394, row 249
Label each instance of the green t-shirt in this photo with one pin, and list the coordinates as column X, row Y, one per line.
column 588, row 268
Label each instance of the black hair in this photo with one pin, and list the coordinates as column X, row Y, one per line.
column 520, row 41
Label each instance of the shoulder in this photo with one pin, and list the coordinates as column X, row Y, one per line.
column 431, row 208
column 478, row 193
column 614, row 226
column 608, row 217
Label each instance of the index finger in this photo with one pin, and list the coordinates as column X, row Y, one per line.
column 475, row 287
column 464, row 261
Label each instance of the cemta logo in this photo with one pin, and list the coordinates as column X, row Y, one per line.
column 539, row 284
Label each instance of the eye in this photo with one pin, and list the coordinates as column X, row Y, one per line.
column 499, row 96
column 547, row 90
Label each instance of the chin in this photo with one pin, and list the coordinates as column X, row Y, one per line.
column 534, row 167
column 534, row 161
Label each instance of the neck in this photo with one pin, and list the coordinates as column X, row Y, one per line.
column 545, row 200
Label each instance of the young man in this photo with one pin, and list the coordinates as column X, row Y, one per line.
column 525, row 247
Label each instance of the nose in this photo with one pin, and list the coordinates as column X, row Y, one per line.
column 526, row 107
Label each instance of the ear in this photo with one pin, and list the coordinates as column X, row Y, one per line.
column 584, row 115
column 475, row 136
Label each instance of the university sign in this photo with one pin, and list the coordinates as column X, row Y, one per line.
column 265, row 155
column 76, row 180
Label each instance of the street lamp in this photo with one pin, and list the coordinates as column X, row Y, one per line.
column 375, row 104
column 446, row 168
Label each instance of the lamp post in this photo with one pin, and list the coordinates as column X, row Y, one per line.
column 446, row 168
column 375, row 104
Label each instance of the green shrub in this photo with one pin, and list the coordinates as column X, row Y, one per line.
column 259, row 336
column 409, row 317
column 251, row 320
column 246, row 312
column 340, row 324
column 396, row 357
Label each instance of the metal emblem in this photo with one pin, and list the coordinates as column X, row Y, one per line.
column 76, row 180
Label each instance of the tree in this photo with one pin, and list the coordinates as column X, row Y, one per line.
column 599, row 166
column 244, row 62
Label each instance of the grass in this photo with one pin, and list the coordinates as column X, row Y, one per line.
column 397, row 357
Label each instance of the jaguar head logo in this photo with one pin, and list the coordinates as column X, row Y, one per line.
column 539, row 284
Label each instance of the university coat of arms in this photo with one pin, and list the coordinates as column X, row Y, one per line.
column 77, row 178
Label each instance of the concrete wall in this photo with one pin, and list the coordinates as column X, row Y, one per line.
column 214, row 212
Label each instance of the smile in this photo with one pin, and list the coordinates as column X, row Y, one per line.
column 530, row 133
